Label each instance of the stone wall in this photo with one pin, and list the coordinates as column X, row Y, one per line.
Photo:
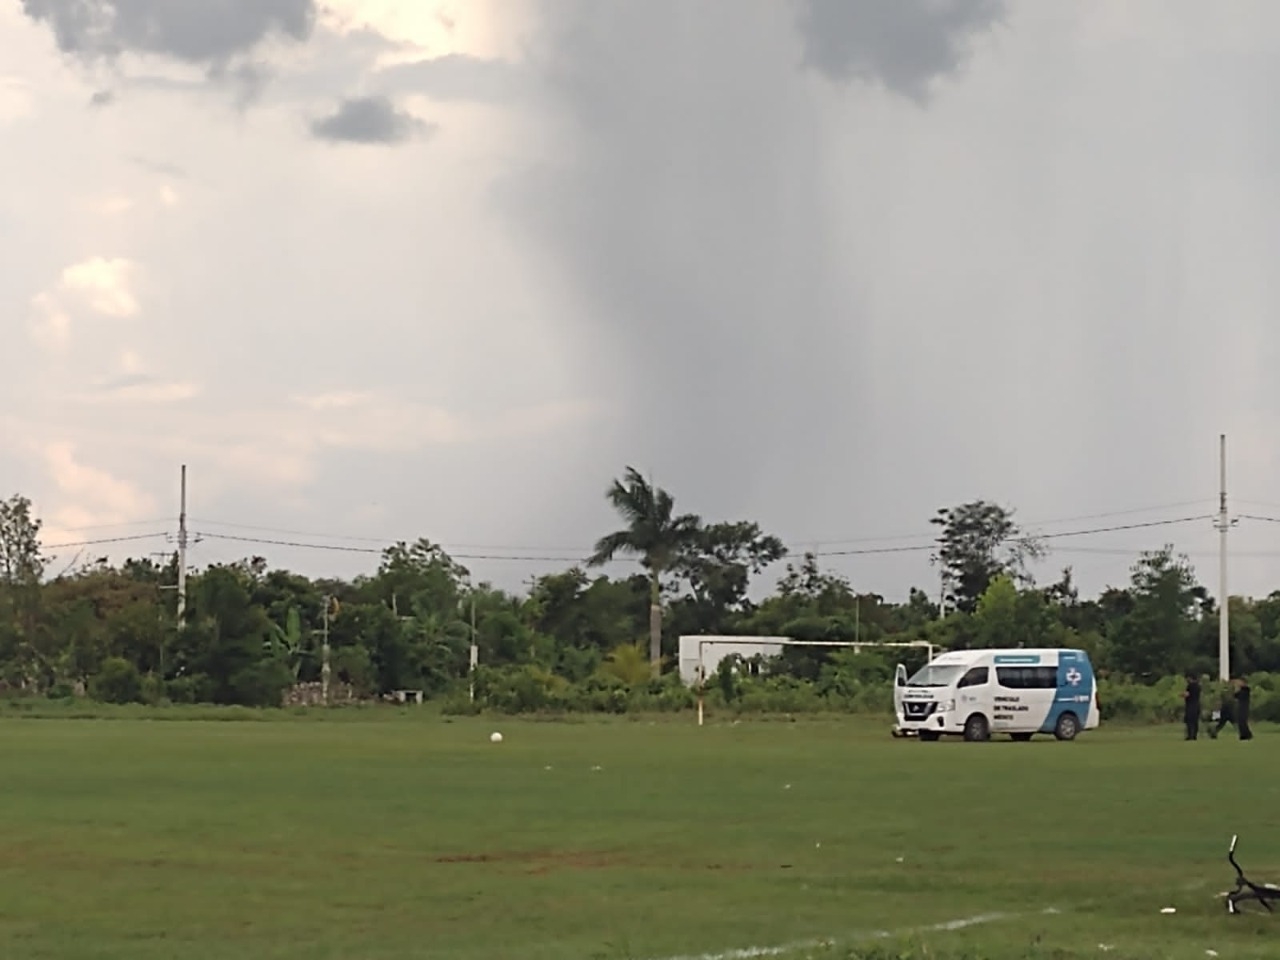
column 311, row 694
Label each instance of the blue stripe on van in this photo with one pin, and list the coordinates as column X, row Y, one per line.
column 1075, row 690
column 1011, row 658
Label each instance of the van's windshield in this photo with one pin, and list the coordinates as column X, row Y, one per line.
column 936, row 675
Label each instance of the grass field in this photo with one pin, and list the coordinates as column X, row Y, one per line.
column 416, row 837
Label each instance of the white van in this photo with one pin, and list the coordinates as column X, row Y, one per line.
column 975, row 693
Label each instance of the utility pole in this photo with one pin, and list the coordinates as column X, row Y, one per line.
column 475, row 650
column 324, row 653
column 182, row 549
column 1224, row 523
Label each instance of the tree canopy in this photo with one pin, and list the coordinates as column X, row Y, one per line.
column 252, row 633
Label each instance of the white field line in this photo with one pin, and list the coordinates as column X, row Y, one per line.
column 750, row 953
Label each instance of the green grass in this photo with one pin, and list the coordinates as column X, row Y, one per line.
column 412, row 836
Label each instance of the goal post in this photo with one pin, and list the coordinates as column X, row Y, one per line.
column 693, row 653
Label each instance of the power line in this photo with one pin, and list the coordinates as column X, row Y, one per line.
column 115, row 526
column 1037, row 523
column 506, row 548
column 793, row 552
column 1124, row 526
column 289, row 533
column 380, row 540
column 378, row 550
column 93, row 543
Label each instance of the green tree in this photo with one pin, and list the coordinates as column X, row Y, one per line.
column 979, row 541
column 1156, row 636
column 996, row 618
column 655, row 534
column 21, row 568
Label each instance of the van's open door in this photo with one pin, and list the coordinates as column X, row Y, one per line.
column 899, row 688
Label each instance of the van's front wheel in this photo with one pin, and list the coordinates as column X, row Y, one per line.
column 976, row 728
column 1067, row 727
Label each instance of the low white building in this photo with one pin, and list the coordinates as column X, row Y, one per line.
column 709, row 650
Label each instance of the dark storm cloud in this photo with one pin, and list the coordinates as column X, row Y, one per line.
column 195, row 31
column 904, row 44
column 369, row 120
column 690, row 205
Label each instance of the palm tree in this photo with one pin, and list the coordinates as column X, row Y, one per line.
column 654, row 534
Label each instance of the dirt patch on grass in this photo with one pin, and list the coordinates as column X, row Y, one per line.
column 544, row 861
column 540, row 862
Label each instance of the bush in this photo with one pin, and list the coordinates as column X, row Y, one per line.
column 521, row 689
column 117, row 681
column 190, row 689
column 262, row 685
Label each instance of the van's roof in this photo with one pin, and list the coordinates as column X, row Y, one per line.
column 970, row 656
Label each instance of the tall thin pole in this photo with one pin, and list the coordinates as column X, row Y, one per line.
column 1224, row 649
column 475, row 651
column 182, row 549
column 324, row 653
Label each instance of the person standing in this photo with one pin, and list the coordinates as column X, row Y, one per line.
column 1242, row 708
column 1191, row 706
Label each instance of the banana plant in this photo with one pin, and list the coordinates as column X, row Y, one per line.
column 287, row 642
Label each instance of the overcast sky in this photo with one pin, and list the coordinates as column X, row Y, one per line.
column 383, row 269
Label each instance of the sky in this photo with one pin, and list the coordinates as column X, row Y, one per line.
column 376, row 270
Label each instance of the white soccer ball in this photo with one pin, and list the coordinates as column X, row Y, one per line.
column 495, row 737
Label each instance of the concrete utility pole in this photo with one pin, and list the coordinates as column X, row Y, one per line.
column 475, row 650
column 1224, row 523
column 324, row 653
column 182, row 549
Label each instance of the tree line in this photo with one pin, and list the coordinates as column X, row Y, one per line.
column 249, row 632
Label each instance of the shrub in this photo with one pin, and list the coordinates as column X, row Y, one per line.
column 117, row 681
column 262, row 685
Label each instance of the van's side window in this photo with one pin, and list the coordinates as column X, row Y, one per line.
column 1028, row 678
column 976, row 677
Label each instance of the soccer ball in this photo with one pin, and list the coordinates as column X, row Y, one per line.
column 495, row 737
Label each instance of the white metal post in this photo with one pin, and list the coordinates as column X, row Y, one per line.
column 1224, row 601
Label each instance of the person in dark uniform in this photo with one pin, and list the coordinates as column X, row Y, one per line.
column 1242, row 708
column 1234, row 709
column 1191, row 706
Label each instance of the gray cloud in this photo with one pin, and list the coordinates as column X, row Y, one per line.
column 690, row 206
column 460, row 77
column 195, row 31
column 369, row 120
column 904, row 44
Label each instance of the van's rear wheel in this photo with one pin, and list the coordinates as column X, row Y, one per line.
column 1067, row 727
column 976, row 728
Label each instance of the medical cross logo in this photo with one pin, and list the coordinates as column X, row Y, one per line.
column 1074, row 677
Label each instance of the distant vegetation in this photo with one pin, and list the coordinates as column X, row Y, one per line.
column 578, row 641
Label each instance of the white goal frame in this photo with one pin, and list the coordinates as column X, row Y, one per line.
column 855, row 645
